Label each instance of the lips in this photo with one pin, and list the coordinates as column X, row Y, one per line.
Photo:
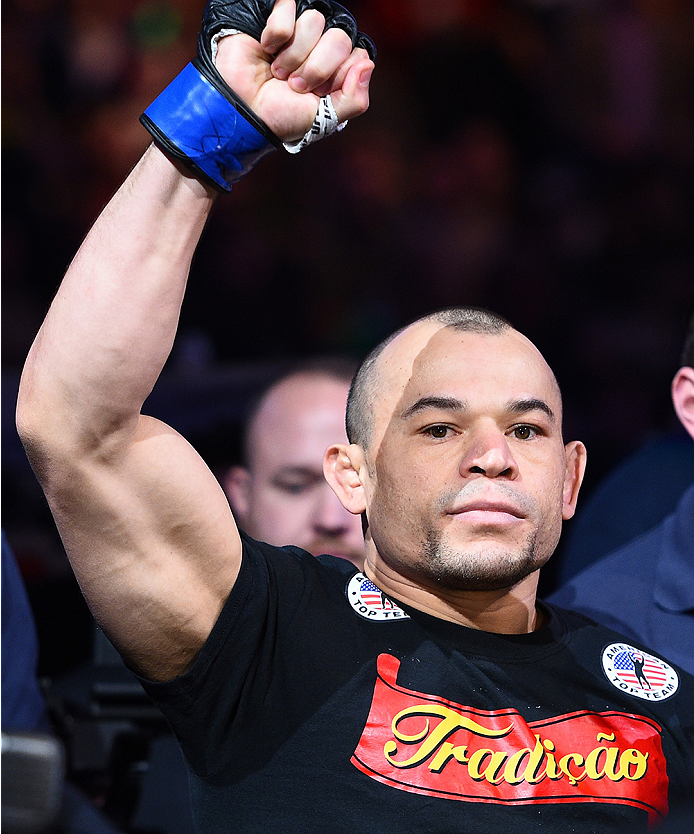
column 489, row 507
column 486, row 508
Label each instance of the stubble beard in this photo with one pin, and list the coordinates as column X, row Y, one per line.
column 478, row 569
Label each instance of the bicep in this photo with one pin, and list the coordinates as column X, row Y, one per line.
column 153, row 544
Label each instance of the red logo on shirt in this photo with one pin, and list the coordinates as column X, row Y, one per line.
column 424, row 744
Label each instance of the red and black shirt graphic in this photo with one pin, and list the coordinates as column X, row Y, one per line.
column 424, row 744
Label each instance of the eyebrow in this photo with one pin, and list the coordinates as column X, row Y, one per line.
column 440, row 403
column 515, row 407
column 523, row 406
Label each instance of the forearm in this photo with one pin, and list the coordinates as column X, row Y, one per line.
column 112, row 323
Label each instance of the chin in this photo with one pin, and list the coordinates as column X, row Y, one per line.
column 480, row 567
column 480, row 582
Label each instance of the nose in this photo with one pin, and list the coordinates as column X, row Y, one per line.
column 488, row 454
column 330, row 517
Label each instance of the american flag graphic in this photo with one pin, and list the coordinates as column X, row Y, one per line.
column 374, row 597
column 628, row 663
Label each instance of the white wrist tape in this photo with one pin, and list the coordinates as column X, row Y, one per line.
column 325, row 122
column 214, row 44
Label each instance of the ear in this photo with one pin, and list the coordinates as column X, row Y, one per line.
column 683, row 397
column 236, row 482
column 573, row 477
column 342, row 465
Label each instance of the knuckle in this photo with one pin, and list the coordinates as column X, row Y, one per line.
column 282, row 33
column 339, row 39
column 312, row 74
column 313, row 19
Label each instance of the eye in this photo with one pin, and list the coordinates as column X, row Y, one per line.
column 524, row 432
column 296, row 483
column 293, row 489
column 438, row 432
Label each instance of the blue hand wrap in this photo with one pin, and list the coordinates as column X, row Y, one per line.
column 194, row 121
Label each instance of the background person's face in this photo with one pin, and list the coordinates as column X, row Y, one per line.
column 289, row 500
column 468, row 467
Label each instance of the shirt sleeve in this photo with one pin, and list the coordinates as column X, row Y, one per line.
column 256, row 642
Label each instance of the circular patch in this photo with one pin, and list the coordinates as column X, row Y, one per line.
column 370, row 602
column 638, row 673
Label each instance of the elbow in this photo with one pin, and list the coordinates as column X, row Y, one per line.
column 49, row 433
column 28, row 419
column 65, row 427
column 34, row 430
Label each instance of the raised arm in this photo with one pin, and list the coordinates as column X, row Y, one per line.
column 146, row 526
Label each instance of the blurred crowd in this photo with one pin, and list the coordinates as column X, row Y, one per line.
column 532, row 156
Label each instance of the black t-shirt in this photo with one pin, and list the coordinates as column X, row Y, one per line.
column 318, row 704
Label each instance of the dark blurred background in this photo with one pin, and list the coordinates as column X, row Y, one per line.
column 535, row 157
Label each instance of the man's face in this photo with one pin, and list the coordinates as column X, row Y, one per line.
column 467, row 472
column 285, row 498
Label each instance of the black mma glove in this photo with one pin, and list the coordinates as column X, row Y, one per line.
column 201, row 121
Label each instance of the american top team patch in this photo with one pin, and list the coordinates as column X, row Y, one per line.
column 638, row 673
column 370, row 602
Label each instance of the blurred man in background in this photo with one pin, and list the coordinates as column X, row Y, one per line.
column 280, row 495
column 645, row 589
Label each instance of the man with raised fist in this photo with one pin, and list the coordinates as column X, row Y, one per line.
column 430, row 692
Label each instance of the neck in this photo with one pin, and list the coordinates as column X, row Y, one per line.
column 509, row 610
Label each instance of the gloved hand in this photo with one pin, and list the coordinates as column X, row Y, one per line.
column 285, row 76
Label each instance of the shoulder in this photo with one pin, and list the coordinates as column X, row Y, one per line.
column 290, row 577
column 294, row 559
